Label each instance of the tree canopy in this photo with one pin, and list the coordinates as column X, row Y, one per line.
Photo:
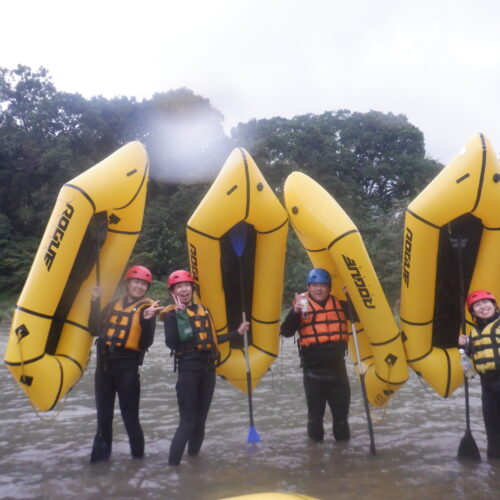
column 372, row 163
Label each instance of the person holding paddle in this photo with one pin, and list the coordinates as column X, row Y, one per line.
column 322, row 326
column 125, row 329
column 191, row 336
column 483, row 346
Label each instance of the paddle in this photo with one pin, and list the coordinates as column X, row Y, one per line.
column 98, row 225
column 361, row 375
column 238, row 237
column 467, row 448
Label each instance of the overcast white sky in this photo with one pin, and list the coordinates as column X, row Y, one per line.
column 436, row 61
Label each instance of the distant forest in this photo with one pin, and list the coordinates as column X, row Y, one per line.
column 372, row 163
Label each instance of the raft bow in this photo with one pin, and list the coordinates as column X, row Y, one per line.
column 462, row 202
column 239, row 195
column 333, row 242
column 97, row 218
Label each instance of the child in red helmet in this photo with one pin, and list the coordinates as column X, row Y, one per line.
column 483, row 345
column 125, row 329
column 190, row 334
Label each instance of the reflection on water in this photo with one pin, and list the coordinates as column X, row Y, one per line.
column 417, row 438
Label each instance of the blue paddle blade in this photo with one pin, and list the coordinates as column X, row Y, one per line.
column 238, row 237
column 253, row 435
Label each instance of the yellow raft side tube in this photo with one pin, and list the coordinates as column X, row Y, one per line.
column 240, row 193
column 468, row 184
column 333, row 242
column 49, row 344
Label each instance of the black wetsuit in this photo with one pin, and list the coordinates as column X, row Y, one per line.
column 117, row 372
column 195, row 387
column 490, row 389
column 325, row 381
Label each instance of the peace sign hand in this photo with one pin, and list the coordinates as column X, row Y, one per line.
column 152, row 310
column 179, row 306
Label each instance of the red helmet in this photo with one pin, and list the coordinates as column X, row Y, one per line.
column 140, row 273
column 179, row 276
column 479, row 295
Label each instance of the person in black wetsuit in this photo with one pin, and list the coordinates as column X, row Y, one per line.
column 483, row 345
column 125, row 329
column 321, row 323
column 190, row 335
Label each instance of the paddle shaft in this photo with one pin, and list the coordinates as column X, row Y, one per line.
column 361, row 377
column 245, row 341
column 98, row 266
column 467, row 448
column 460, row 243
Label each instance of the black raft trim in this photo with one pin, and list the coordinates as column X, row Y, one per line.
column 481, row 176
column 46, row 316
column 61, row 378
column 247, row 178
column 272, row 230
column 202, row 233
column 391, row 382
column 129, row 233
column 416, row 324
column 144, row 175
column 421, row 219
column 25, row 362
column 271, row 354
column 385, row 342
column 421, row 357
column 85, row 194
column 338, row 238
column 262, row 322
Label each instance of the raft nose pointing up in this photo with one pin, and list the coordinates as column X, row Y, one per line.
column 49, row 344
column 334, row 243
column 240, row 194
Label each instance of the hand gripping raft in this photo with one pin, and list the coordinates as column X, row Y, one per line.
column 96, row 219
column 333, row 242
column 459, row 208
column 240, row 195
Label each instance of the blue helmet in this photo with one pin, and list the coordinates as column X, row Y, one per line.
column 319, row 275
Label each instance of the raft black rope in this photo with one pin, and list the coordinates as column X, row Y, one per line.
column 37, row 412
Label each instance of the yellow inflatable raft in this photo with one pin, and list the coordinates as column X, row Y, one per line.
column 333, row 242
column 49, row 343
column 240, row 195
column 462, row 204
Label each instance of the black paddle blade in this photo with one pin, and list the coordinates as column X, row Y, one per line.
column 468, row 450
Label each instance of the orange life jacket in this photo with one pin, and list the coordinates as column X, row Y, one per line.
column 122, row 327
column 323, row 324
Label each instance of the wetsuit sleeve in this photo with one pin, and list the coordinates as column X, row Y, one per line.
column 147, row 332
column 291, row 324
column 226, row 337
column 345, row 308
column 96, row 317
column 171, row 330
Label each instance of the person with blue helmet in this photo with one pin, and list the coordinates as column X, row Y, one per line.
column 321, row 323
